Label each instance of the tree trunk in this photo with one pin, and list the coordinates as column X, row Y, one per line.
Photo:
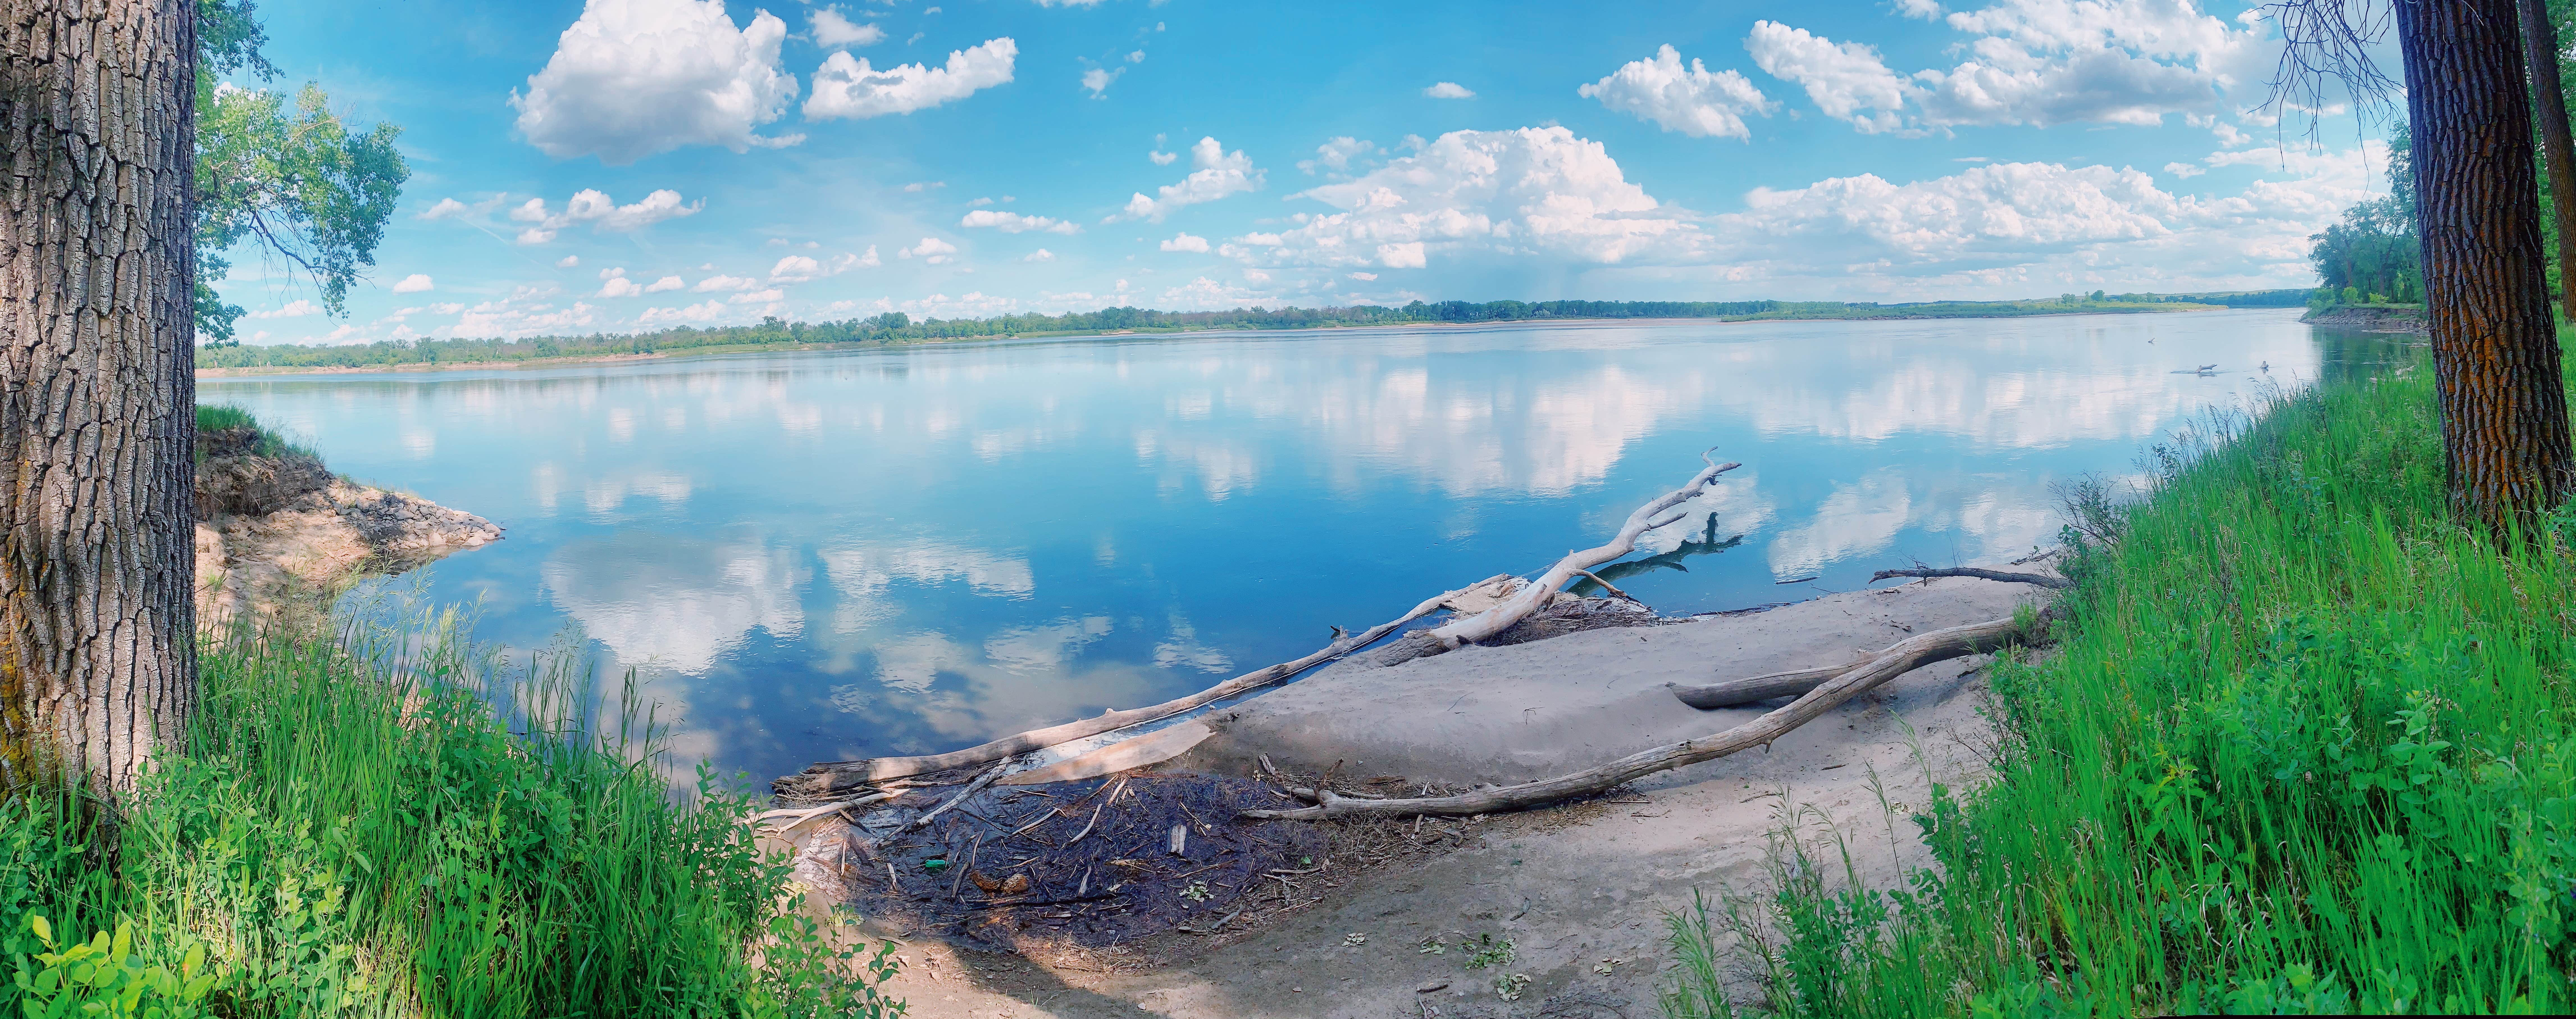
column 2549, row 98
column 98, row 662
column 2486, row 288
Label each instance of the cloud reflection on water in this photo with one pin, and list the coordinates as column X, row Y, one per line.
column 909, row 550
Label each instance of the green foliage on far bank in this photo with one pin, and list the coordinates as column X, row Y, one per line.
column 897, row 327
column 2307, row 746
column 344, row 840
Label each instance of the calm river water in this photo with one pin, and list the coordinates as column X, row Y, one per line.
column 830, row 555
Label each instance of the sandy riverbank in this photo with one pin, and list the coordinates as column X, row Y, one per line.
column 1579, row 891
column 279, row 536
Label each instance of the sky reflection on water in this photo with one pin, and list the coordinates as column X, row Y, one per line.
column 831, row 555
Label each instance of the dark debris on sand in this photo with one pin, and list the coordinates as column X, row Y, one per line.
column 1042, row 890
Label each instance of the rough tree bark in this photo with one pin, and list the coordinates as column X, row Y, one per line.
column 2495, row 349
column 97, row 395
column 2549, row 98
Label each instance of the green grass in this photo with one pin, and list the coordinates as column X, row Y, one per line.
column 352, row 839
column 2305, row 747
column 225, row 417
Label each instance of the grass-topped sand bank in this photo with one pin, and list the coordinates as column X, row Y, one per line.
column 279, row 535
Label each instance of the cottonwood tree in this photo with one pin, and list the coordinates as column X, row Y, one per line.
column 97, row 393
column 297, row 183
column 2505, row 435
column 2558, row 148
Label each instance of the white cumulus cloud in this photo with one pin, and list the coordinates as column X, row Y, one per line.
column 297, row 308
column 1040, row 255
column 931, row 250
column 1449, row 90
column 1215, row 174
column 1014, row 223
column 1531, row 191
column 706, row 311
column 631, row 78
column 1186, row 242
column 595, row 209
column 847, row 87
column 666, row 283
column 806, row 269
column 832, row 28
column 1097, row 79
column 2037, row 63
column 568, row 261
column 414, row 284
column 1848, row 81
column 1336, row 154
column 1694, row 100
column 720, row 282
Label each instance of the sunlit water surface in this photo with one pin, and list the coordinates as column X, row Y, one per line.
column 831, row 555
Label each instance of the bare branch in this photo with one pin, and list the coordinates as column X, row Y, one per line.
column 2330, row 40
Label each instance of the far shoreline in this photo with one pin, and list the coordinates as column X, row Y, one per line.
column 765, row 348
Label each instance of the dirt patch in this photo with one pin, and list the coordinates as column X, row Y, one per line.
column 1056, row 872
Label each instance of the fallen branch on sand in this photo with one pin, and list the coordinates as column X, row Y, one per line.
column 1926, row 572
column 1907, row 655
column 1733, row 692
column 1529, row 597
column 830, row 777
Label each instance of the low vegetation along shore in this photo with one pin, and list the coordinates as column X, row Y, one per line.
column 350, row 838
column 895, row 328
column 2306, row 747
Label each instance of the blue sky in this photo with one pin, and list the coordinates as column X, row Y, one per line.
column 620, row 165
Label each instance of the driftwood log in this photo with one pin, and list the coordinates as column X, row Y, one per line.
column 1927, row 572
column 1904, row 657
column 1730, row 693
column 831, row 777
column 1532, row 595
column 1733, row 692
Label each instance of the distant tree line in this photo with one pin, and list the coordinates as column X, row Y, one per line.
column 897, row 327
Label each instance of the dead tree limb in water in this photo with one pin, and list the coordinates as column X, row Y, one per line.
column 829, row 777
column 1906, row 656
column 1536, row 593
column 1926, row 572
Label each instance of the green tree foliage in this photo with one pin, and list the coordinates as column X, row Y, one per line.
column 294, row 180
column 2375, row 251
